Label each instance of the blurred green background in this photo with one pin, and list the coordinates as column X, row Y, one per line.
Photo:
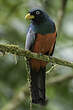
column 14, row 76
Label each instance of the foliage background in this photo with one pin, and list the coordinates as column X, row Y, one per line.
column 13, row 75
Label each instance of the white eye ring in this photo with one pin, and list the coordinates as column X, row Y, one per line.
column 37, row 12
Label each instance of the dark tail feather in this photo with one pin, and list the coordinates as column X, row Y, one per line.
column 38, row 86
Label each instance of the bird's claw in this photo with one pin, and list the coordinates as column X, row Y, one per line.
column 40, row 54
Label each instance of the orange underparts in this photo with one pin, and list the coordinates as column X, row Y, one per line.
column 43, row 44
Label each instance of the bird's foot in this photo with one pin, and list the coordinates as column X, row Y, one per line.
column 40, row 54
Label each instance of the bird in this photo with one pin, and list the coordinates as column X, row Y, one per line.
column 41, row 39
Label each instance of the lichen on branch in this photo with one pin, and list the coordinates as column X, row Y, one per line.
column 15, row 49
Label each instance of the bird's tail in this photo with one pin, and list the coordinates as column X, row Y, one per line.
column 38, row 86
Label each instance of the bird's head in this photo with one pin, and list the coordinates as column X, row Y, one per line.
column 36, row 15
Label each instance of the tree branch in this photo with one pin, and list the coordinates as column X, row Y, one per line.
column 61, row 13
column 14, row 49
column 24, row 91
column 20, row 97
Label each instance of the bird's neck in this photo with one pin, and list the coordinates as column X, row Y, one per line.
column 38, row 21
column 42, row 28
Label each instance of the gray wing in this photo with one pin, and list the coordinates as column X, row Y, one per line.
column 30, row 39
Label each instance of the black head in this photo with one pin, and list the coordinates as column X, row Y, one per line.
column 36, row 15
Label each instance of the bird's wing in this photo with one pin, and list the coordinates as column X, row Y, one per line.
column 53, row 46
column 30, row 39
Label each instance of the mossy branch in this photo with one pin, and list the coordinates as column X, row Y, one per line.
column 14, row 49
column 61, row 14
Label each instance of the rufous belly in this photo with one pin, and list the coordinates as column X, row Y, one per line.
column 43, row 44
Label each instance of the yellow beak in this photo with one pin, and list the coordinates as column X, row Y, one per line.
column 28, row 16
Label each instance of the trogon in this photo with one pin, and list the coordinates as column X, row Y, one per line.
column 41, row 39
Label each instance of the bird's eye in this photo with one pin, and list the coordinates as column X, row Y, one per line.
column 37, row 12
